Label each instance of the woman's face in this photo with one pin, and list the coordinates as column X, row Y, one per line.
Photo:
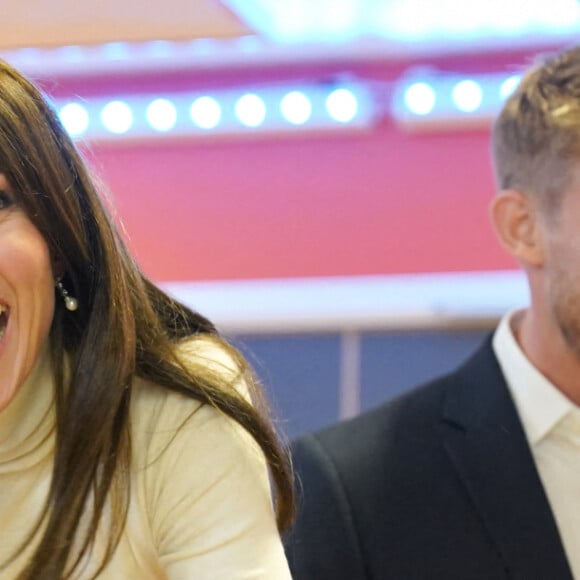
column 26, row 294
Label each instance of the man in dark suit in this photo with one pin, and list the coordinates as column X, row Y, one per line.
column 476, row 475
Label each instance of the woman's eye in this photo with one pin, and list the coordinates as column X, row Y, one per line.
column 5, row 200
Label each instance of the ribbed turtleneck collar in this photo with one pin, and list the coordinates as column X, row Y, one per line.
column 28, row 420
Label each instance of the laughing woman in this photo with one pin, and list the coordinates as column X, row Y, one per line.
column 133, row 443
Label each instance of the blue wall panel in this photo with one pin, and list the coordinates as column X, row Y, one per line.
column 397, row 361
column 300, row 375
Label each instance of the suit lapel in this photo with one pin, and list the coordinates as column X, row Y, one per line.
column 485, row 441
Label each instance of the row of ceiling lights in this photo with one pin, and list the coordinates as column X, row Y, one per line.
column 417, row 99
column 407, row 20
column 426, row 99
column 467, row 95
column 251, row 110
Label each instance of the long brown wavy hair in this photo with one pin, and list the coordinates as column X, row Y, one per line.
column 124, row 328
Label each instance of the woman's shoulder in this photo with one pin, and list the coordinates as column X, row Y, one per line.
column 200, row 355
column 158, row 412
column 208, row 353
column 201, row 480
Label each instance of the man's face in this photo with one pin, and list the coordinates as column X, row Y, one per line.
column 562, row 266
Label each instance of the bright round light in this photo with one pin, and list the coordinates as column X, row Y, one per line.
column 117, row 117
column 159, row 48
column 205, row 112
column 420, row 98
column 74, row 118
column 467, row 96
column 291, row 20
column 250, row 110
column 116, row 50
column 408, row 20
column 338, row 17
column 161, row 114
column 559, row 15
column 509, row 86
column 453, row 18
column 296, row 108
column 342, row 105
column 512, row 20
column 71, row 53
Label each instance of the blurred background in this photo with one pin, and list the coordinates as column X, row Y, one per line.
column 313, row 175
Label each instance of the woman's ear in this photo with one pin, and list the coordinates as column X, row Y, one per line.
column 517, row 224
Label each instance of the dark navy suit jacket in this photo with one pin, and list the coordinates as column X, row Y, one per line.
column 439, row 484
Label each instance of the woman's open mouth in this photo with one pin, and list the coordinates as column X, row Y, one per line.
column 4, row 311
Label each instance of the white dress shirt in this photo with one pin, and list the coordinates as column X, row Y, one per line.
column 552, row 426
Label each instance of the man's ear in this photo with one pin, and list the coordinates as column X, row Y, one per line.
column 516, row 221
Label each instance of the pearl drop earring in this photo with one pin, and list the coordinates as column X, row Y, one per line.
column 70, row 303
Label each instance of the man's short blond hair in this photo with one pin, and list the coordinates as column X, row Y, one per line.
column 536, row 137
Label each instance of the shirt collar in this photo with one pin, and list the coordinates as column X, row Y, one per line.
column 540, row 405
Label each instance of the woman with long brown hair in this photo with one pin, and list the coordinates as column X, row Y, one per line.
column 133, row 442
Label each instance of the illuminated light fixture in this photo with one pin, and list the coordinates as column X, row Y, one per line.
column 161, row 114
column 460, row 102
column 509, row 86
column 205, row 112
column 117, row 117
column 560, row 16
column 299, row 21
column 71, row 52
column 160, row 48
column 74, row 118
column 116, row 50
column 467, row 96
column 511, row 20
column 408, row 28
column 420, row 98
column 296, row 107
column 275, row 109
column 250, row 110
column 342, row 105
column 406, row 20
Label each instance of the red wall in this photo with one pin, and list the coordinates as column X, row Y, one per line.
column 347, row 204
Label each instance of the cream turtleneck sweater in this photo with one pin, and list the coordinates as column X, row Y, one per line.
column 200, row 502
